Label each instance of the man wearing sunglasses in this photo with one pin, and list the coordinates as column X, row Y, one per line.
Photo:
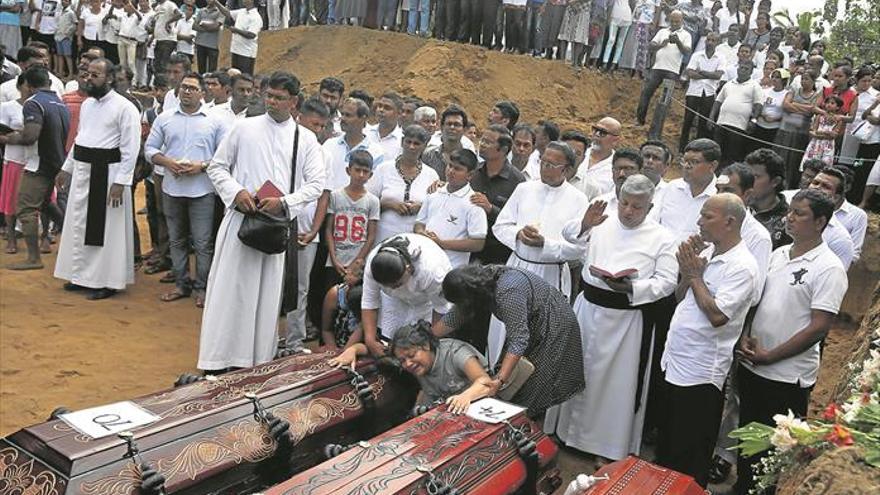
column 597, row 164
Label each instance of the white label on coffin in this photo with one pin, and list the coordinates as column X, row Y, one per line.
column 102, row 421
column 493, row 411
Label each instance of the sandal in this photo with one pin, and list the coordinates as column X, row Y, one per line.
column 173, row 295
column 168, row 278
column 11, row 249
column 200, row 300
column 158, row 268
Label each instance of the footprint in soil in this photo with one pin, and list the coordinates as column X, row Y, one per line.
column 68, row 373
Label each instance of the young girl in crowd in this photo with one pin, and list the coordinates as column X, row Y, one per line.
column 824, row 131
column 448, row 370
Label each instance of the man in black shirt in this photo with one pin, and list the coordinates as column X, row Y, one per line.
column 494, row 182
column 46, row 122
column 767, row 203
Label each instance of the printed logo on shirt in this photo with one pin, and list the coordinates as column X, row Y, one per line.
column 798, row 277
column 452, row 219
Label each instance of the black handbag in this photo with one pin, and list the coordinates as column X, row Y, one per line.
column 265, row 232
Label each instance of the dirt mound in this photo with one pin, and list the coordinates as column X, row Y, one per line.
column 836, row 472
column 444, row 72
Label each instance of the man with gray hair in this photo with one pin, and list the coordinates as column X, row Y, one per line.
column 630, row 263
column 427, row 118
column 702, row 334
column 531, row 224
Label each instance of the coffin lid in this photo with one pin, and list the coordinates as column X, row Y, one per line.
column 185, row 411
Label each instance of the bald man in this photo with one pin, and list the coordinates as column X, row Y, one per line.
column 596, row 167
column 716, row 289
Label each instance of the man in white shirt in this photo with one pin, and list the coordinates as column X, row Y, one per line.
column 97, row 247
column 704, row 71
column 28, row 56
column 449, row 218
column 387, row 133
column 735, row 113
column 717, row 287
column 245, row 285
column 597, row 162
column 743, row 53
column 453, row 121
column 780, row 356
column 580, row 145
column 523, row 147
column 670, row 46
column 730, row 45
column 656, row 159
column 164, row 14
column 245, row 30
column 832, row 182
column 354, row 114
column 236, row 107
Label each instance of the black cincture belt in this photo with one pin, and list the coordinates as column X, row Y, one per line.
column 96, row 213
column 619, row 300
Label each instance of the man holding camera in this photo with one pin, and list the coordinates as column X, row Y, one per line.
column 670, row 46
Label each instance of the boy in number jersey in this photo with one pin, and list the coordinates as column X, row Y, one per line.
column 352, row 217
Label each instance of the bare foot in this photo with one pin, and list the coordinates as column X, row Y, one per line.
column 11, row 249
column 45, row 247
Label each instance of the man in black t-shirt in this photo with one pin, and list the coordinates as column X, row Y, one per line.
column 46, row 122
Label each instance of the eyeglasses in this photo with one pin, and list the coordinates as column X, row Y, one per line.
column 546, row 164
column 189, row 89
column 602, row 132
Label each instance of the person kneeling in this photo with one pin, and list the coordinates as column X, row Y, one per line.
column 448, row 370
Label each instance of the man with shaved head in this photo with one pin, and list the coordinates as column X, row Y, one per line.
column 716, row 288
column 596, row 167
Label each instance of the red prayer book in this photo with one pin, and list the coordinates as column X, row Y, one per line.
column 601, row 273
column 268, row 190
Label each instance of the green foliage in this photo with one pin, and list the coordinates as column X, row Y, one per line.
column 810, row 21
column 856, row 34
column 753, row 438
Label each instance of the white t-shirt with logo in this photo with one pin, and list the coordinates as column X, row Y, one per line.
column 451, row 215
column 815, row 280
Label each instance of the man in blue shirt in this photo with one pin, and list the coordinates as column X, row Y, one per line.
column 46, row 122
column 183, row 141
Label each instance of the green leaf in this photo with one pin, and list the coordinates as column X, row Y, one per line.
column 753, row 438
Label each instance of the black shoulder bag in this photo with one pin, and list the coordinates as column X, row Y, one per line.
column 265, row 232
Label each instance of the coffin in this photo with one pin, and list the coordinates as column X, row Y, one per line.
column 209, row 439
column 434, row 452
column 634, row 476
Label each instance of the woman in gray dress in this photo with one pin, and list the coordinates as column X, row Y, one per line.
column 540, row 326
column 448, row 370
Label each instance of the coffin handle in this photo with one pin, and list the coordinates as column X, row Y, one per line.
column 363, row 389
column 152, row 481
column 528, row 452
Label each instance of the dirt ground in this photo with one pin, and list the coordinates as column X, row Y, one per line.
column 58, row 349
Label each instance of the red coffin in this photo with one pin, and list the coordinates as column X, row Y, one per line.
column 209, row 439
column 634, row 476
column 433, row 451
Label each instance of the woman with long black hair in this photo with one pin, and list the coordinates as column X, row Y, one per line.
column 540, row 326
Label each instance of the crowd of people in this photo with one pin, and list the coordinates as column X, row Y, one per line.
column 554, row 268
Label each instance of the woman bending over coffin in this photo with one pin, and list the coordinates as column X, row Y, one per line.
column 447, row 370
column 540, row 326
column 402, row 285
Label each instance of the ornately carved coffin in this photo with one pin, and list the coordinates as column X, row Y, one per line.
column 438, row 453
column 634, row 476
column 213, row 435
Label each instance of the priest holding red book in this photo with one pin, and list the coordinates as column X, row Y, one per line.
column 245, row 284
column 630, row 263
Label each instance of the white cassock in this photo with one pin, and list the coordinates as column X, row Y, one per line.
column 548, row 209
column 108, row 124
column 419, row 297
column 602, row 419
column 245, row 285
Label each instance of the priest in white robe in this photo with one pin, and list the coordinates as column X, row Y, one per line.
column 244, row 293
column 606, row 418
column 531, row 224
column 97, row 244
